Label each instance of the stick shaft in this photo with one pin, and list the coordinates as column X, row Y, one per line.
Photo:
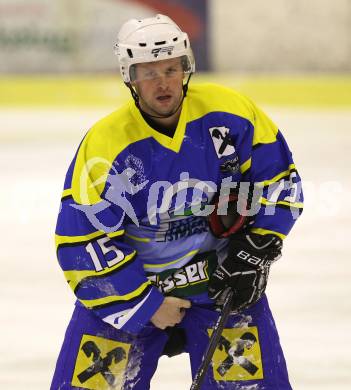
column 213, row 342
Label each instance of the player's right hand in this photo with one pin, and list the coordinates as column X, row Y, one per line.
column 170, row 313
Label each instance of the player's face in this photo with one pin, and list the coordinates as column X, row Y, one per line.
column 159, row 86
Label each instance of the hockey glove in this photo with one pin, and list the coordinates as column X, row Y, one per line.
column 246, row 268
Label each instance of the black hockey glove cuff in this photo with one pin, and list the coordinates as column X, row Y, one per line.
column 246, row 268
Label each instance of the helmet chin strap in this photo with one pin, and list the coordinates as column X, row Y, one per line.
column 137, row 103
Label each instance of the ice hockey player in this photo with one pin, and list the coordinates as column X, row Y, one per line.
column 133, row 234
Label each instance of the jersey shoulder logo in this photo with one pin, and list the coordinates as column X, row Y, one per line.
column 221, row 140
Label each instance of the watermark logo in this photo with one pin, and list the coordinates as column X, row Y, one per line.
column 166, row 201
column 118, row 185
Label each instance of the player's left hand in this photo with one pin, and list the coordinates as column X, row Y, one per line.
column 170, row 313
column 246, row 268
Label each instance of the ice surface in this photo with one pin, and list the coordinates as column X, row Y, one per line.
column 309, row 288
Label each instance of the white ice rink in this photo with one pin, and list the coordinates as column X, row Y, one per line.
column 309, row 289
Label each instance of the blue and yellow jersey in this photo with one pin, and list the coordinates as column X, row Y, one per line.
column 134, row 199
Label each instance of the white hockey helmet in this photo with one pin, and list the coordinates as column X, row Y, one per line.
column 149, row 40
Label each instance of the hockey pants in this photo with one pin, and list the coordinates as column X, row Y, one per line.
column 96, row 356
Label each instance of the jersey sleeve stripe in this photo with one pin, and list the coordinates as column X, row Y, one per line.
column 245, row 166
column 77, row 240
column 66, row 193
column 266, row 202
column 281, row 175
column 265, row 231
column 100, row 302
column 115, row 234
column 75, row 277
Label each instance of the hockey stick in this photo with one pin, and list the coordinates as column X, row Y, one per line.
column 213, row 342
